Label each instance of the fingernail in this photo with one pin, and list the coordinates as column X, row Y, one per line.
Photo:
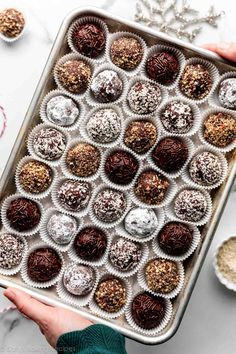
column 10, row 295
column 224, row 46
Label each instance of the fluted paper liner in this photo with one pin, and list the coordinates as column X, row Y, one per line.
column 214, row 98
column 11, row 40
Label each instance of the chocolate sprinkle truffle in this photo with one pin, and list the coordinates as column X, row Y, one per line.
column 190, row 205
column 83, row 159
column 162, row 275
column 79, row 279
column 110, row 295
column 11, row 251
column 43, row 264
column 89, row 39
column 109, row 205
column 220, row 129
column 140, row 222
column 49, row 144
column 175, row 238
column 195, row 82
column 12, row 23
column 23, row 214
column 74, row 195
column 90, row 244
column 170, row 154
column 126, row 53
column 177, row 117
column 74, row 75
column 61, row 228
column 162, row 67
column 148, row 310
column 106, row 86
column 35, row 177
column 125, row 255
column 62, row 110
column 227, row 93
column 151, row 187
column 140, row 136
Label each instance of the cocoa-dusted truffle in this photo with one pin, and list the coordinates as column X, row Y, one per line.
column 162, row 67
column 227, row 93
column 74, row 75
column 162, row 275
column 148, row 310
column 151, row 187
column 83, row 159
column 62, row 110
column 177, row 117
column 126, row 53
column 195, row 81
column 61, row 228
column 90, row 244
column 140, row 136
column 74, row 195
column 11, row 250
column 43, row 264
column 121, row 167
column 190, row 205
column 12, row 23
column 170, row 154
column 220, row 129
column 35, row 177
column 140, row 222
column 89, row 39
column 124, row 254
column 79, row 279
column 110, row 295
column 106, row 86
column 175, row 238
column 23, row 214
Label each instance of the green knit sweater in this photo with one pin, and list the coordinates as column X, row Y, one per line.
column 95, row 339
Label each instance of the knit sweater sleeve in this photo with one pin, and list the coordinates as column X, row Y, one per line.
column 95, row 339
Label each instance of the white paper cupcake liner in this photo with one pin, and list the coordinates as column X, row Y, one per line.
column 6, row 222
column 214, row 99
column 143, row 283
column 10, row 40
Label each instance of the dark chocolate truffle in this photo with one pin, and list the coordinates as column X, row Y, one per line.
column 227, row 93
column 190, row 205
column 140, row 222
column 62, row 110
column 79, row 279
column 126, row 53
column 110, row 295
column 74, row 195
column 107, row 86
column 11, row 250
column 140, row 136
column 125, row 255
column 177, row 117
column 90, row 243
column 12, row 23
column 43, row 264
column 162, row 67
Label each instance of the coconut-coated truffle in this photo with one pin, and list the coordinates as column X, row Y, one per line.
column 227, row 93
column 110, row 295
column 177, row 117
column 11, row 250
column 140, row 222
column 162, row 67
column 106, row 86
column 12, row 23
column 79, row 279
column 126, row 53
column 74, row 195
column 140, row 136
column 125, row 255
column 190, row 205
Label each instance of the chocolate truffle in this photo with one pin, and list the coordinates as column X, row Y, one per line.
column 190, row 205
column 140, row 136
column 106, row 86
column 205, row 168
column 195, row 82
column 79, row 279
column 62, row 110
column 49, row 144
column 162, row 275
column 125, row 255
column 109, row 205
column 162, row 67
column 35, row 177
column 61, row 228
column 126, row 53
column 121, row 167
column 227, row 93
column 110, row 295
column 74, row 195
column 177, row 117
column 144, row 97
column 23, row 214
column 83, row 160
column 43, row 264
column 170, row 154
column 89, row 39
column 104, row 126
column 175, row 238
column 11, row 251
column 140, row 222
column 74, row 75
column 12, row 23
column 148, row 310
column 151, row 187
column 90, row 244
column 220, row 129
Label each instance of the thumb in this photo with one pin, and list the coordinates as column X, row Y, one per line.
column 224, row 49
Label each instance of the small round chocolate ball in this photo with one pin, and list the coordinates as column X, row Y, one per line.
column 62, row 110
column 110, row 295
column 89, row 39
column 11, row 251
column 106, row 86
column 140, row 136
column 125, row 255
column 170, row 154
column 79, row 279
column 177, row 117
column 23, row 214
column 74, row 75
column 227, row 93
column 74, row 195
column 140, row 222
column 12, row 23
column 90, row 244
column 190, row 205
column 162, row 67
column 126, row 53
column 61, row 228
column 195, row 81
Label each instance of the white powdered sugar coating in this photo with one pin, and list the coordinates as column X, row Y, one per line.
column 141, row 222
column 227, row 93
column 79, row 279
column 107, row 86
column 177, row 117
column 190, row 205
column 144, row 97
column 61, row 228
column 62, row 110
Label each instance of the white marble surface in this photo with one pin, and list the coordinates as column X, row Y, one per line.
column 209, row 322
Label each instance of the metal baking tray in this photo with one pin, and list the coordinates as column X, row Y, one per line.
column 46, row 83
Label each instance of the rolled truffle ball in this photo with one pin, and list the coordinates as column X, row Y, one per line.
column 126, row 53
column 11, row 251
column 61, row 228
column 125, row 255
column 140, row 222
column 110, row 295
column 79, row 279
column 177, row 117
column 62, row 110
column 106, row 86
column 140, row 136
column 74, row 195
column 12, row 23
column 162, row 67
column 90, row 244
column 190, row 205
column 227, row 93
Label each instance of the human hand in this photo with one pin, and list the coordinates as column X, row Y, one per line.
column 224, row 49
column 52, row 321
